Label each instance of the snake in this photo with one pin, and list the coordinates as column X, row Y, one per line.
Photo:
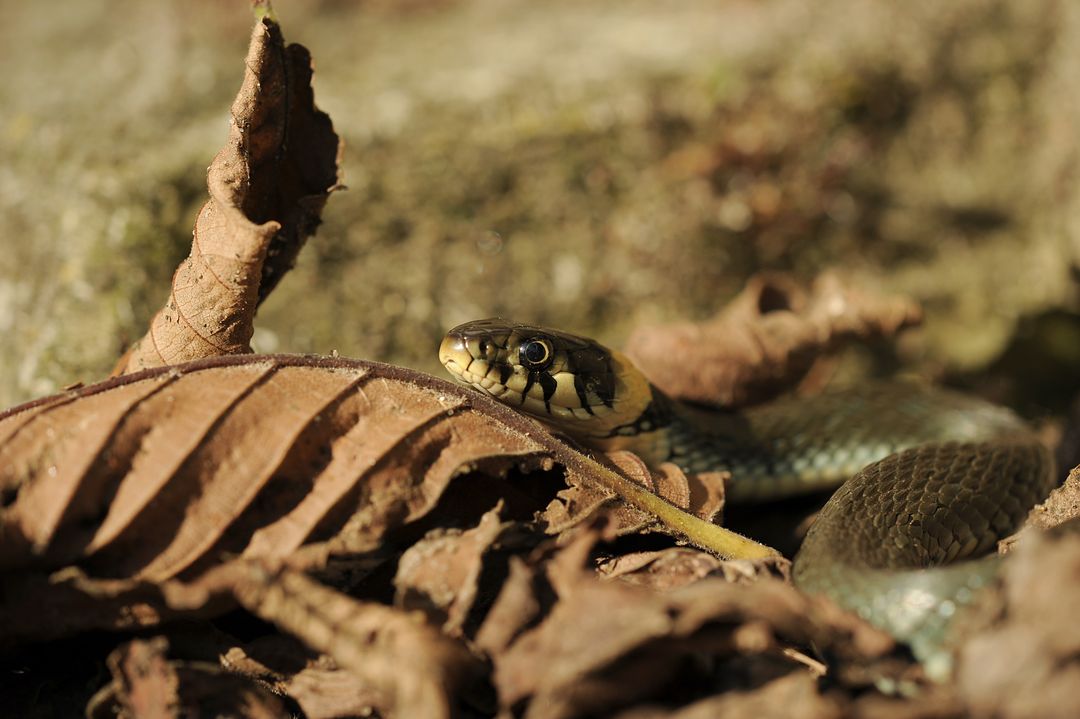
column 927, row 480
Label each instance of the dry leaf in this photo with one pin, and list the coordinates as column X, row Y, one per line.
column 267, row 186
column 604, row 645
column 146, row 685
column 1063, row 504
column 441, row 574
column 1024, row 661
column 331, row 693
column 701, row 495
column 1028, row 663
column 314, row 682
column 794, row 696
column 407, row 665
column 162, row 474
column 765, row 340
column 675, row 567
column 520, row 604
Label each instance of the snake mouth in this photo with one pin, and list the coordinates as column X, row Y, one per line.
column 454, row 355
column 459, row 361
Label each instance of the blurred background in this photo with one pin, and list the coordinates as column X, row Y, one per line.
column 591, row 164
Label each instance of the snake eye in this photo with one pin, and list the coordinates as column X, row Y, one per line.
column 535, row 353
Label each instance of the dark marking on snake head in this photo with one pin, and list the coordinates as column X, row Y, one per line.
column 505, row 373
column 529, row 382
column 607, row 393
column 549, row 384
column 593, row 363
column 582, row 393
column 603, row 386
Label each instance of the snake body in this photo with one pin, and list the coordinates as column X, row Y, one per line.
column 929, row 479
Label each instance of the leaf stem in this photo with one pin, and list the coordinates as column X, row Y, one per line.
column 705, row 535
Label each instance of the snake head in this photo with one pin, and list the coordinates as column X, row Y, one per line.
column 575, row 383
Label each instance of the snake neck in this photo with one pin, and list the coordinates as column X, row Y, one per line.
column 647, row 435
column 695, row 440
column 796, row 446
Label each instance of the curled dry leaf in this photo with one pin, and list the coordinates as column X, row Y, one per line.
column 267, row 186
column 765, row 340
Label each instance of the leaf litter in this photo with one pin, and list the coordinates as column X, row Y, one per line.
column 330, row 537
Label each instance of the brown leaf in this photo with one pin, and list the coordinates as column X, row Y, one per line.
column 144, row 478
column 580, row 503
column 794, row 696
column 440, row 574
column 332, row 693
column 674, row 567
column 765, row 340
column 321, row 688
column 606, row 644
column 1062, row 506
column 1028, row 662
column 398, row 664
column 701, row 495
column 517, row 607
column 409, row 665
column 144, row 683
column 147, row 685
column 267, row 186
column 269, row 658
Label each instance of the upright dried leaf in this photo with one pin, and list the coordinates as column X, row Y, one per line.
column 267, row 186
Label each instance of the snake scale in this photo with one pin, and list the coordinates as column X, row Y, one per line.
column 929, row 480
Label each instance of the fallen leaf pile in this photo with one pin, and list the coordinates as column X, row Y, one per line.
column 183, row 492
column 222, row 534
